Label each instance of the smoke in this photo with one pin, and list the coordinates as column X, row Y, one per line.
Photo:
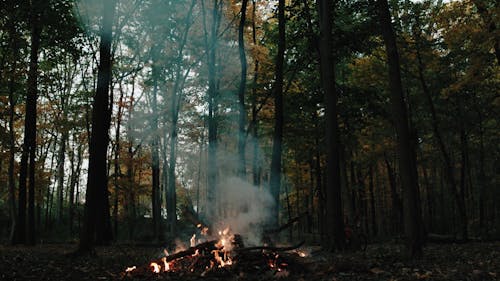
column 244, row 208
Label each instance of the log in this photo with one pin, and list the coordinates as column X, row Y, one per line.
column 208, row 246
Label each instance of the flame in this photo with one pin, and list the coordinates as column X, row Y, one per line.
column 301, row 254
column 156, row 267
column 129, row 269
column 193, row 240
column 224, row 260
column 166, row 265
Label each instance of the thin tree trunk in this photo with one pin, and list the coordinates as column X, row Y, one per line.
column 155, row 157
column 429, row 196
column 412, row 221
column 372, row 201
column 12, row 151
column 117, row 168
column 449, row 170
column 482, row 175
column 50, row 196
column 211, row 49
column 275, row 177
column 241, row 92
column 176, row 100
column 61, row 156
column 255, row 128
column 75, row 176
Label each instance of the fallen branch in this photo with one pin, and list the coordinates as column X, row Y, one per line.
column 207, row 246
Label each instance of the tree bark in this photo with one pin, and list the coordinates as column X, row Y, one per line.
column 155, row 153
column 334, row 214
column 412, row 216
column 241, row 92
column 211, row 49
column 29, row 146
column 96, row 217
column 74, row 179
column 12, row 142
column 61, row 157
column 372, row 201
column 275, row 177
column 256, row 168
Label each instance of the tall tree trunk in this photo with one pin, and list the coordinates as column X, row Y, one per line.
column 429, row 196
column 117, row 169
column 256, row 168
column 318, row 175
column 482, row 175
column 130, row 200
column 335, row 224
column 31, row 117
column 275, row 177
column 211, row 49
column 50, row 195
column 155, row 153
column 12, row 147
column 61, row 156
column 29, row 146
column 372, row 201
column 412, row 216
column 96, row 217
column 449, row 169
column 180, row 78
column 172, row 179
column 241, row 92
column 75, row 177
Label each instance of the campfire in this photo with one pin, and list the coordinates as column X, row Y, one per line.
column 224, row 256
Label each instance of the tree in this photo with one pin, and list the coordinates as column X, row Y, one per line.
column 96, row 223
column 412, row 217
column 211, row 50
column 334, row 228
column 275, row 177
column 27, row 170
column 241, row 91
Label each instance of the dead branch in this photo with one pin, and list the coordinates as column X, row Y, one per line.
column 287, row 225
column 207, row 246
column 189, row 214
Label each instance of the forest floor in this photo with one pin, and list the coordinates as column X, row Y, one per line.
column 469, row 261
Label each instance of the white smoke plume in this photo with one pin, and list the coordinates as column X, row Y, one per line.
column 244, row 208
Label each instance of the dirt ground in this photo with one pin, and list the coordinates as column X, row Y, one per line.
column 469, row 261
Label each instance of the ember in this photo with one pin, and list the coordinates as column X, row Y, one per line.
column 222, row 256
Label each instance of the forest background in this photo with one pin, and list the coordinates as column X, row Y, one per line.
column 118, row 120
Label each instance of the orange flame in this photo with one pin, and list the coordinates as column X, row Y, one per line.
column 129, row 269
column 156, row 267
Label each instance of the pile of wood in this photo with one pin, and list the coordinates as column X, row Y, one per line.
column 203, row 260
